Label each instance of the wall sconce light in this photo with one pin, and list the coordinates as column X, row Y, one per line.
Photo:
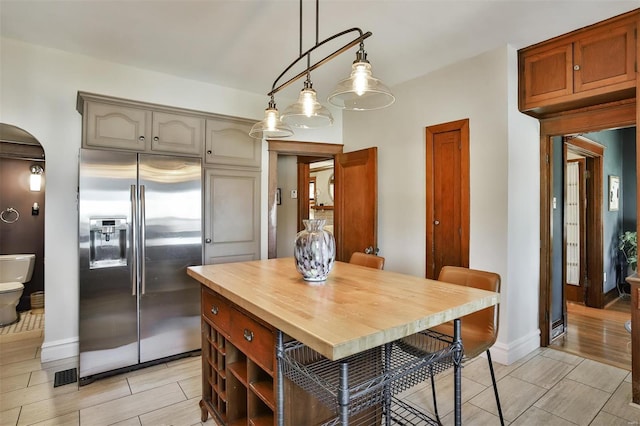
column 35, row 180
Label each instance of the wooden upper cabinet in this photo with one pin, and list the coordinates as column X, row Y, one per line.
column 547, row 75
column 228, row 143
column 605, row 58
column 586, row 67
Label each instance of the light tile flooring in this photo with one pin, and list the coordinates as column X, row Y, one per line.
column 548, row 387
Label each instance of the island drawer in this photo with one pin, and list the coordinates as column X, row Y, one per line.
column 254, row 339
column 217, row 310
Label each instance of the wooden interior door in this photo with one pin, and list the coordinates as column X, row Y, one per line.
column 356, row 202
column 575, row 231
column 303, row 192
column 447, row 196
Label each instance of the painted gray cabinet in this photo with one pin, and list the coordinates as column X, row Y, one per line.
column 178, row 134
column 110, row 123
column 116, row 127
column 232, row 215
column 231, row 161
column 228, row 143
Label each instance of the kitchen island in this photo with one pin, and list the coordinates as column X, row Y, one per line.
column 249, row 309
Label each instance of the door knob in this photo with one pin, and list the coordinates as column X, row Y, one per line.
column 208, row 241
column 436, row 222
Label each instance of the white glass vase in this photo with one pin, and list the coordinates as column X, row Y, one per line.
column 314, row 251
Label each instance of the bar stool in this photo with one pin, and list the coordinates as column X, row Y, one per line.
column 479, row 330
column 368, row 260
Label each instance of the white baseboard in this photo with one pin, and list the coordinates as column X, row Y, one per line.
column 505, row 354
column 509, row 353
column 59, row 349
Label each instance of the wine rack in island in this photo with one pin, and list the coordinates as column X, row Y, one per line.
column 238, row 364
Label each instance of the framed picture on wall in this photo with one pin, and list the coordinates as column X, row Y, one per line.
column 614, row 193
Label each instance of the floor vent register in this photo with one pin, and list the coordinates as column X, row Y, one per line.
column 65, row 377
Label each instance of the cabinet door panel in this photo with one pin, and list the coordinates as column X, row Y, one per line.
column 232, row 215
column 548, row 74
column 605, row 58
column 177, row 133
column 229, row 143
column 118, row 127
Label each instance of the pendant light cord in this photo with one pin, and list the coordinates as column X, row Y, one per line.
column 300, row 51
column 310, row 67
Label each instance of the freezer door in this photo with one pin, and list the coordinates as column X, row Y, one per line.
column 108, row 321
column 171, row 240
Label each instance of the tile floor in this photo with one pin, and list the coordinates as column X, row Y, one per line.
column 548, row 387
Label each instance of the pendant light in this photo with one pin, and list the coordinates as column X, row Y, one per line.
column 361, row 91
column 307, row 112
column 271, row 126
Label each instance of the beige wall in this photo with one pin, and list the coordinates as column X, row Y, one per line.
column 39, row 88
column 504, row 176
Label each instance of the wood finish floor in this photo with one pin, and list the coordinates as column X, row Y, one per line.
column 547, row 387
column 598, row 334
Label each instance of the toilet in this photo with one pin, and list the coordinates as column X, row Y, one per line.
column 10, row 294
column 15, row 270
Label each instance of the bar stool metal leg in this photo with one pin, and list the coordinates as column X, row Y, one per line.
column 495, row 387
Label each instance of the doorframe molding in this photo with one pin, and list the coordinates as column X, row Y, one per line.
column 296, row 148
column 594, row 194
column 603, row 117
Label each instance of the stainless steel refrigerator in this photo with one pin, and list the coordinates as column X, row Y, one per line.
column 140, row 227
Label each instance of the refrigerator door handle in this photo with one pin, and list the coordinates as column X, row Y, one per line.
column 143, row 241
column 134, row 241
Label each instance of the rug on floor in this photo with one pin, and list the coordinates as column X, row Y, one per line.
column 29, row 320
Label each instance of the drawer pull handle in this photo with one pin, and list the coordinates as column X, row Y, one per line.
column 248, row 335
column 214, row 310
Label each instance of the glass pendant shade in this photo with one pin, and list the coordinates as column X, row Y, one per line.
column 307, row 112
column 271, row 126
column 361, row 91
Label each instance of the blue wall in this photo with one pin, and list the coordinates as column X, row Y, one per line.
column 619, row 160
column 629, row 201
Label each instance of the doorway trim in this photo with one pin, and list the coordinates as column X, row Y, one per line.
column 297, row 148
column 594, row 154
column 603, row 117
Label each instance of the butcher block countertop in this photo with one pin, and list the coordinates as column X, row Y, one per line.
column 355, row 309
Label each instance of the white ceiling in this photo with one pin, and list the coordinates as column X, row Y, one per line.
column 246, row 44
